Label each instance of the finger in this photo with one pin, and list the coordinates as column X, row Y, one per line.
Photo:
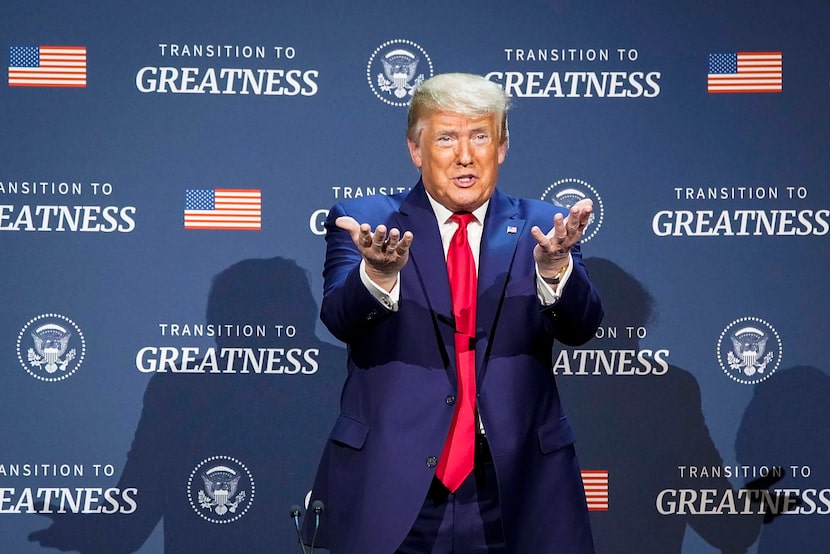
column 552, row 233
column 364, row 239
column 357, row 231
column 579, row 216
column 549, row 245
column 585, row 203
column 537, row 235
column 585, row 209
column 379, row 237
column 544, row 241
column 392, row 239
column 560, row 229
column 403, row 244
column 347, row 223
column 572, row 222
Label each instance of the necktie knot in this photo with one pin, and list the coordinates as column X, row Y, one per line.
column 462, row 218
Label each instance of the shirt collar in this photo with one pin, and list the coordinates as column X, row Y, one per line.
column 443, row 214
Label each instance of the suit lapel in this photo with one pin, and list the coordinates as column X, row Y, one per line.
column 428, row 266
column 502, row 229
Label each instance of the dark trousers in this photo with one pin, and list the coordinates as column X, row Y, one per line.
column 465, row 522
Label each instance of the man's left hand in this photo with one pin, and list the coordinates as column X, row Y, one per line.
column 552, row 249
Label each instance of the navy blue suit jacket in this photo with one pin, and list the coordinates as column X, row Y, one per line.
column 394, row 417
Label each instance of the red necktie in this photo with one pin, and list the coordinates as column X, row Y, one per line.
column 456, row 461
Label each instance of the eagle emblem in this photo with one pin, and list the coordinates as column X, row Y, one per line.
column 749, row 351
column 399, row 68
column 215, row 489
column 51, row 343
column 395, row 69
column 219, row 494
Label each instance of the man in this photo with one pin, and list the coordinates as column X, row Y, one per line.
column 389, row 479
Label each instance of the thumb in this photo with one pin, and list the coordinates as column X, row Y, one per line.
column 347, row 223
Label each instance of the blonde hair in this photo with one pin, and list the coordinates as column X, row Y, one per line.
column 462, row 93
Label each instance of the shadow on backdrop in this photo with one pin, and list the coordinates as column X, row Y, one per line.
column 641, row 428
column 787, row 420
column 218, row 457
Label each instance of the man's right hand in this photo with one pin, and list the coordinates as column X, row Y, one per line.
column 384, row 253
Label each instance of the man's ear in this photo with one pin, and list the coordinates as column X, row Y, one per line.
column 414, row 152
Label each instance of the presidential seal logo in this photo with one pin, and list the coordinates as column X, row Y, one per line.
column 567, row 192
column 749, row 350
column 395, row 68
column 51, row 347
column 221, row 489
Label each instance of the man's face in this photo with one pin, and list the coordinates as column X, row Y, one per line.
column 459, row 158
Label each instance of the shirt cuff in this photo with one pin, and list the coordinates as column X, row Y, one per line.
column 388, row 299
column 546, row 294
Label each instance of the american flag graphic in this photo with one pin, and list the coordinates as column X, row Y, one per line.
column 47, row 66
column 745, row 72
column 596, row 489
column 239, row 209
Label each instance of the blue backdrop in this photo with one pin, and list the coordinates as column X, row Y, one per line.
column 156, row 371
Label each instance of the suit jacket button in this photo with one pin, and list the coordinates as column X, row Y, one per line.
column 450, row 400
column 432, row 461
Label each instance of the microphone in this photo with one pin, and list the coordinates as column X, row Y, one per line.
column 295, row 515
column 317, row 508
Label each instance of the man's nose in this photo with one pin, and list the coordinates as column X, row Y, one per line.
column 464, row 153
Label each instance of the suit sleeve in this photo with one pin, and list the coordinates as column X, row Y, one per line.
column 577, row 314
column 348, row 310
